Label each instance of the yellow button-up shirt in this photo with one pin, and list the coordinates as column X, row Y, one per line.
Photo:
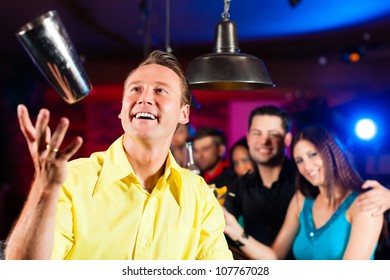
column 103, row 213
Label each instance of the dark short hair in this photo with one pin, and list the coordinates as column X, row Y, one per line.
column 217, row 135
column 271, row 110
column 337, row 165
column 170, row 61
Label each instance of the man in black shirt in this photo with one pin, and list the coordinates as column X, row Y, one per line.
column 262, row 198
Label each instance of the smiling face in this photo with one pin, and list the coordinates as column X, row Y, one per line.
column 242, row 162
column 309, row 162
column 151, row 106
column 267, row 140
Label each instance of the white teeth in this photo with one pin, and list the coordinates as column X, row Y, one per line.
column 264, row 150
column 145, row 116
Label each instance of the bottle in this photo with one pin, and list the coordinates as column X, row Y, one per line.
column 190, row 164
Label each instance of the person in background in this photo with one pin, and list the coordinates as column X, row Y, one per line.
column 323, row 220
column 262, row 197
column 241, row 163
column 377, row 201
column 240, row 159
column 182, row 135
column 209, row 146
column 132, row 201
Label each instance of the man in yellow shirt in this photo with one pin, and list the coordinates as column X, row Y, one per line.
column 132, row 201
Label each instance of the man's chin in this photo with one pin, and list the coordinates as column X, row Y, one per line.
column 271, row 162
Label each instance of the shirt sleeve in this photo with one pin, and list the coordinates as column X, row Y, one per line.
column 212, row 243
column 63, row 233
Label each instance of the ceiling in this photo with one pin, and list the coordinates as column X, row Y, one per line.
column 115, row 28
column 277, row 31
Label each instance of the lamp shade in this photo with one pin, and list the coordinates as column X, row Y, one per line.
column 227, row 68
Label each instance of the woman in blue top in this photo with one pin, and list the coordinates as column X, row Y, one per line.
column 323, row 220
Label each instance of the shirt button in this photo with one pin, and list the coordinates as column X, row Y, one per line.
column 144, row 241
column 311, row 234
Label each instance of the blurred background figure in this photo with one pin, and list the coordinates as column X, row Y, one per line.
column 241, row 163
column 209, row 154
column 240, row 160
column 261, row 198
column 182, row 135
column 323, row 220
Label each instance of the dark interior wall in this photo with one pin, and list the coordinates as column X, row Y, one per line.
column 95, row 118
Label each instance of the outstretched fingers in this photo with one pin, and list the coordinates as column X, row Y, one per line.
column 53, row 147
column 57, row 138
column 25, row 123
column 36, row 136
column 71, row 149
column 41, row 126
column 41, row 142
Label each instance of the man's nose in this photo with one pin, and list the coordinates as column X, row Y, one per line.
column 147, row 96
column 264, row 138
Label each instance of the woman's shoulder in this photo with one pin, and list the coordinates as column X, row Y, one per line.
column 299, row 196
column 355, row 212
column 297, row 203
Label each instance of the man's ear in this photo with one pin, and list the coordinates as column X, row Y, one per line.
column 184, row 114
column 288, row 139
column 221, row 150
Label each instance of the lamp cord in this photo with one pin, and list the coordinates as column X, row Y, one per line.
column 168, row 48
column 225, row 15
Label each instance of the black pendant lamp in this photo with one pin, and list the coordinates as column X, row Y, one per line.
column 226, row 68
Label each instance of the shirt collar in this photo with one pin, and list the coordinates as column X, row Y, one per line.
column 220, row 167
column 116, row 166
column 171, row 166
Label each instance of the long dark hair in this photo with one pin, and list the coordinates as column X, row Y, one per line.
column 242, row 142
column 339, row 170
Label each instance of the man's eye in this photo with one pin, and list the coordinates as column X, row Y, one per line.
column 159, row 90
column 276, row 136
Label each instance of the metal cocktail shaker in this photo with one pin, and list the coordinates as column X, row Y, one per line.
column 46, row 41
